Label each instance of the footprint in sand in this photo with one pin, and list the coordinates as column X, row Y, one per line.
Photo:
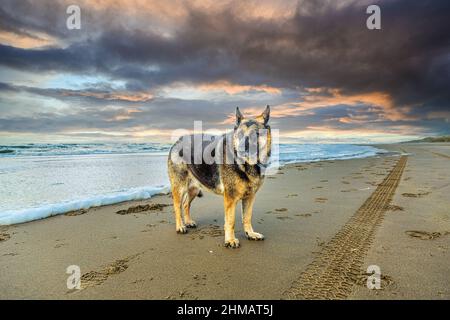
column 304, row 215
column 349, row 190
column 386, row 281
column 284, row 218
column 321, row 200
column 150, row 225
column 11, row 254
column 138, row 281
column 211, row 230
column 320, row 243
column 393, row 207
column 59, row 245
column 281, row 209
column 143, row 208
column 292, row 195
column 76, row 213
column 95, row 278
column 415, row 195
column 4, row 236
column 182, row 294
column 198, row 282
column 425, row 235
column 345, row 182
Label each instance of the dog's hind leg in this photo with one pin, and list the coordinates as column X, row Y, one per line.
column 230, row 216
column 178, row 181
column 187, row 200
column 177, row 199
column 247, row 211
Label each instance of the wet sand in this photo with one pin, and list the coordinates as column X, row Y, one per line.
column 324, row 224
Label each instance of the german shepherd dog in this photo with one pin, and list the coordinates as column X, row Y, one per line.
column 231, row 170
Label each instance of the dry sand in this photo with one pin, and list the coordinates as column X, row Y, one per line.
column 324, row 224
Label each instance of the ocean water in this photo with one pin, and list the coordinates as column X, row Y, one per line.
column 42, row 180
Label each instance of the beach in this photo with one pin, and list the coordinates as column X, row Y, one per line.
column 392, row 211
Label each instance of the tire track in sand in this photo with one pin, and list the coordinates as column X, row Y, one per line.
column 333, row 273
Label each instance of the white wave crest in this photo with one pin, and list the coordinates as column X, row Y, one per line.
column 30, row 214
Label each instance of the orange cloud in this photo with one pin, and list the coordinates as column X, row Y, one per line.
column 24, row 41
column 123, row 96
column 125, row 115
column 232, row 88
column 261, row 9
column 322, row 97
column 315, row 98
column 354, row 119
column 335, row 97
column 328, row 133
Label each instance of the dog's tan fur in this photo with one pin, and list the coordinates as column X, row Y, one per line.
column 236, row 182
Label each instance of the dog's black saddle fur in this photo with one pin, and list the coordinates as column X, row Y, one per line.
column 204, row 169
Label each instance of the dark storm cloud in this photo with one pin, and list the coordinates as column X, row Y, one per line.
column 31, row 18
column 159, row 113
column 90, row 96
column 327, row 47
column 320, row 45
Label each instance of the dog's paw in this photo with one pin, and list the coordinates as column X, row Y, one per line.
column 232, row 243
column 254, row 236
column 181, row 229
column 191, row 224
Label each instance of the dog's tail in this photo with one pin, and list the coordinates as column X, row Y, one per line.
column 200, row 194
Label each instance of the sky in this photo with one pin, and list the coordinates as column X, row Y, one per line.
column 138, row 70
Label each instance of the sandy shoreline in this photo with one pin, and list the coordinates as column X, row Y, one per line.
column 138, row 255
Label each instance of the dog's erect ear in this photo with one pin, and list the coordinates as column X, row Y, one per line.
column 239, row 116
column 264, row 117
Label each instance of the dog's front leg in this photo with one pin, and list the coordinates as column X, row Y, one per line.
column 247, row 211
column 230, row 215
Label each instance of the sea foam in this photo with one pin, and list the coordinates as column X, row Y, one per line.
column 30, row 214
